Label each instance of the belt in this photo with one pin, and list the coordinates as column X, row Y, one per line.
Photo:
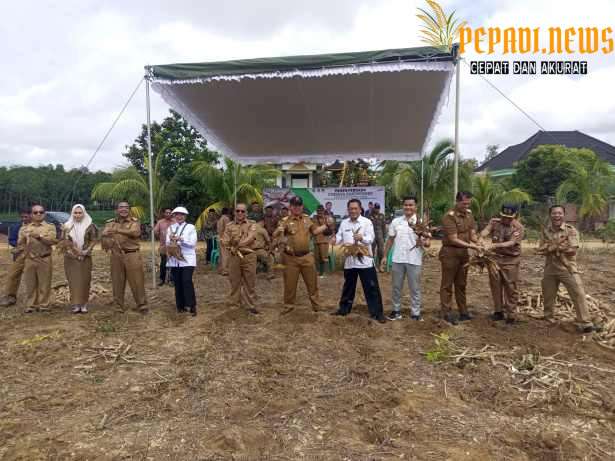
column 41, row 256
column 130, row 251
column 297, row 253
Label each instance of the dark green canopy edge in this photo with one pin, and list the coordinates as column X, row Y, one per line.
column 290, row 63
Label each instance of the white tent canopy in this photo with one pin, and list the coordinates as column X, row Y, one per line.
column 378, row 104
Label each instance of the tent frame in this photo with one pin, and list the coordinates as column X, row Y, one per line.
column 149, row 78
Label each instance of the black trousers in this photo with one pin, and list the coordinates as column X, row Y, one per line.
column 185, row 298
column 210, row 247
column 369, row 281
column 163, row 267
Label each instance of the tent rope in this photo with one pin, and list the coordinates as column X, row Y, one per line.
column 102, row 142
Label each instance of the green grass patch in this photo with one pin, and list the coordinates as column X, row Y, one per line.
column 441, row 350
column 106, row 327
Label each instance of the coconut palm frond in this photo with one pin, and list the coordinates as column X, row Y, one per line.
column 439, row 12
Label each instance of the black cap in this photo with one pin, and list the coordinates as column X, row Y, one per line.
column 296, row 201
column 377, row 205
column 508, row 211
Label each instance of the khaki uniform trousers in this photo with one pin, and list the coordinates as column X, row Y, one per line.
column 265, row 260
column 303, row 265
column 504, row 292
column 37, row 276
column 14, row 276
column 453, row 274
column 79, row 276
column 242, row 275
column 128, row 267
column 223, row 268
column 574, row 285
column 321, row 252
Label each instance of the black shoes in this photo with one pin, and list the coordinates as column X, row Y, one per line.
column 496, row 316
column 450, row 318
column 510, row 321
column 465, row 317
column 394, row 315
column 380, row 319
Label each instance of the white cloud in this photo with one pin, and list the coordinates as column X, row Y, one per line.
column 72, row 64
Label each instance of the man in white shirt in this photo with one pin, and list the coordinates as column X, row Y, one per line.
column 357, row 233
column 407, row 259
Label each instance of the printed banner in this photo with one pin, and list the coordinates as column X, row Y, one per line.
column 338, row 196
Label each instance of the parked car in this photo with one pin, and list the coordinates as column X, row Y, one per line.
column 57, row 218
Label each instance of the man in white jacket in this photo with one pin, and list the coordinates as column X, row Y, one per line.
column 356, row 235
column 182, row 238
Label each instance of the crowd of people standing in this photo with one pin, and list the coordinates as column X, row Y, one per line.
column 250, row 238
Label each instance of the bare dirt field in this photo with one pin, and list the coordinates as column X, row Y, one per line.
column 304, row 385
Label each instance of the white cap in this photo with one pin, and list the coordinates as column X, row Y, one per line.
column 180, row 209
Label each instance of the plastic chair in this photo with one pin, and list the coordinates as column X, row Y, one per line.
column 215, row 254
column 389, row 260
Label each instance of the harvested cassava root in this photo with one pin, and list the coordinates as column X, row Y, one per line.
column 482, row 260
column 62, row 292
column 531, row 303
column 174, row 250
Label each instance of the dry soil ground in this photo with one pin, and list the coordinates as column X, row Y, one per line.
column 227, row 385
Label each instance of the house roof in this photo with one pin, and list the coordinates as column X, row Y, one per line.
column 574, row 139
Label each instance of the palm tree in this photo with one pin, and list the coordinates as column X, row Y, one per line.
column 405, row 177
column 221, row 182
column 437, row 28
column 128, row 184
column 588, row 187
column 489, row 196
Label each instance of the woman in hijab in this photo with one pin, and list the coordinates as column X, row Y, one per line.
column 80, row 236
column 181, row 252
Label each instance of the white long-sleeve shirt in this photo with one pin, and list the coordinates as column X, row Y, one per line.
column 345, row 234
column 188, row 244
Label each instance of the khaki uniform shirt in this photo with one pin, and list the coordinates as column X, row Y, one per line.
column 222, row 223
column 262, row 240
column 566, row 236
column 36, row 248
column 127, row 232
column 379, row 222
column 89, row 239
column 298, row 231
column 457, row 222
column 498, row 233
column 326, row 235
column 240, row 235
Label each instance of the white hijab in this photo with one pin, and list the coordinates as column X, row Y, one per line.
column 77, row 230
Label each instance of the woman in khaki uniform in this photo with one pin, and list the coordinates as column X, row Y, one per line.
column 80, row 236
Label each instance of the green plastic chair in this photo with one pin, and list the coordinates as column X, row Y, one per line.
column 215, row 254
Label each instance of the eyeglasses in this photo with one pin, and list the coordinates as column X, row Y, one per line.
column 38, row 212
column 240, row 211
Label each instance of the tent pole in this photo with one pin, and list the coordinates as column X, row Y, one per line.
column 422, row 186
column 457, row 101
column 151, row 179
column 235, row 168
